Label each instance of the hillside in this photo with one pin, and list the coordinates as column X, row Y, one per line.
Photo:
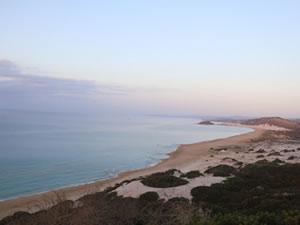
column 273, row 121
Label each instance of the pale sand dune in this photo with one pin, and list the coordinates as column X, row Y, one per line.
column 184, row 158
column 282, row 149
column 136, row 188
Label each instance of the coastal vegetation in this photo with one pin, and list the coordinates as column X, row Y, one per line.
column 163, row 180
column 150, row 196
column 260, row 193
column 221, row 170
column 289, row 217
column 192, row 174
column 261, row 186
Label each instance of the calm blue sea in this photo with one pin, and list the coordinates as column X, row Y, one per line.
column 45, row 151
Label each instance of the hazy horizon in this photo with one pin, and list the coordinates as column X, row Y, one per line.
column 195, row 58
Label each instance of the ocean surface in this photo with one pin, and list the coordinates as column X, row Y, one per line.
column 46, row 151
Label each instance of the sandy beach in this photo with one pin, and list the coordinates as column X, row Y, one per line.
column 185, row 158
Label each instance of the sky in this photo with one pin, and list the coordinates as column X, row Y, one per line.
column 157, row 57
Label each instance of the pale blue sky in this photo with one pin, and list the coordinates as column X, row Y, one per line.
column 194, row 54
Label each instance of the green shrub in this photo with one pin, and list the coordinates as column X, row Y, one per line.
column 111, row 194
column 150, row 196
column 192, row 174
column 179, row 199
column 205, row 194
column 163, row 180
column 221, row 170
column 172, row 171
column 277, row 161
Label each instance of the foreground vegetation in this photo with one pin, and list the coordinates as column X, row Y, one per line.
column 262, row 186
column 263, row 193
column 263, row 218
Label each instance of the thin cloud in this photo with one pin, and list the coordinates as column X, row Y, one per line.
column 13, row 80
column 19, row 90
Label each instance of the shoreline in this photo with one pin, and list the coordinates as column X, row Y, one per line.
column 181, row 158
column 151, row 165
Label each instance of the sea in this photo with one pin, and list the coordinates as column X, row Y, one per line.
column 41, row 151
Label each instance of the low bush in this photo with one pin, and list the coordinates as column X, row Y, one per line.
column 179, row 199
column 150, row 196
column 192, row 174
column 172, row 171
column 221, row 170
column 277, row 161
column 260, row 151
column 163, row 180
column 274, row 154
